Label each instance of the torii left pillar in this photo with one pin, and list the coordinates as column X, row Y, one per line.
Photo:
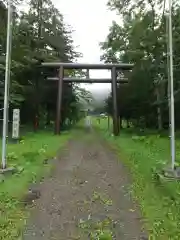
column 59, row 101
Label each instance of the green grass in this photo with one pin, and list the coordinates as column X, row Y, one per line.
column 159, row 201
column 29, row 155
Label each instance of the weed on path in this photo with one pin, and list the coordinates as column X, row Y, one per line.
column 86, row 197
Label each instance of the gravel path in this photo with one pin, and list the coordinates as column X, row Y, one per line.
column 86, row 194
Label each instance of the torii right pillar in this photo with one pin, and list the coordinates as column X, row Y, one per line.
column 116, row 127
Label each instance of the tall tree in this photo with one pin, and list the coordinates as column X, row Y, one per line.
column 141, row 39
column 38, row 35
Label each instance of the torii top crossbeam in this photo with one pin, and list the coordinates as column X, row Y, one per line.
column 108, row 66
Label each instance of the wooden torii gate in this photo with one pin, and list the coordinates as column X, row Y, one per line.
column 114, row 68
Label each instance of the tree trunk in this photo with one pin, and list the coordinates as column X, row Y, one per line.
column 48, row 117
column 120, row 122
column 159, row 110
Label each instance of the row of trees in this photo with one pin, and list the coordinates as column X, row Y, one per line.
column 38, row 35
column 140, row 37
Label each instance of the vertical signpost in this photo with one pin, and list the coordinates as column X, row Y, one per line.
column 173, row 152
column 15, row 124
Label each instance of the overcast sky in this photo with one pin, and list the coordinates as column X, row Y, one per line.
column 90, row 19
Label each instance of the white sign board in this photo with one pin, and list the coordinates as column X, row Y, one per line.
column 88, row 121
column 15, row 126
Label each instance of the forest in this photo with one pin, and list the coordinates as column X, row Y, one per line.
column 39, row 34
column 141, row 37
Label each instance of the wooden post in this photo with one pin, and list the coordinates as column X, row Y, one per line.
column 115, row 108
column 59, row 100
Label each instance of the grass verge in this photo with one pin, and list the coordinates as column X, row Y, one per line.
column 28, row 157
column 159, row 201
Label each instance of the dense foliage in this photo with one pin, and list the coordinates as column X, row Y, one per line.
column 38, row 35
column 140, row 37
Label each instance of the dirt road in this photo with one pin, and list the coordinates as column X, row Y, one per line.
column 86, row 197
